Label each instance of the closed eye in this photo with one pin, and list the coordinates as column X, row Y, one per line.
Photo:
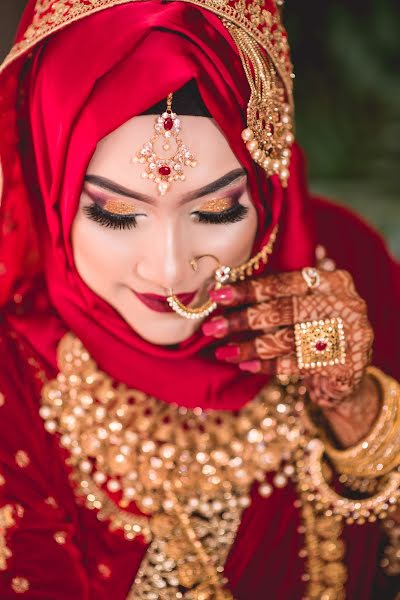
column 235, row 213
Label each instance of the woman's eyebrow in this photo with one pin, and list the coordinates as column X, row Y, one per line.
column 210, row 188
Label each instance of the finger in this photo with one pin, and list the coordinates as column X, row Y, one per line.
column 264, row 316
column 281, row 285
column 318, row 306
column 285, row 366
column 286, row 311
column 264, row 347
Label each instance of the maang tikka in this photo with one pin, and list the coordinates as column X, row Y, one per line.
column 163, row 170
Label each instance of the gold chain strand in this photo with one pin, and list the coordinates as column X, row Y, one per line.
column 325, row 552
column 262, row 257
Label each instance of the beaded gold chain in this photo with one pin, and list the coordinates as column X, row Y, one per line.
column 190, row 473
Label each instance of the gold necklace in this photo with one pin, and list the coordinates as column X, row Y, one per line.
column 189, row 471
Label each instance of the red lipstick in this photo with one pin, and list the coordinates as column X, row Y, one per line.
column 160, row 304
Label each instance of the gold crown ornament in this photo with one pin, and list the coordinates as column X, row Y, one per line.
column 257, row 30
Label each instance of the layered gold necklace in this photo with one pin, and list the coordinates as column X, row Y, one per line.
column 189, row 472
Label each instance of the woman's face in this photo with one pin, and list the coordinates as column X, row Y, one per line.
column 131, row 245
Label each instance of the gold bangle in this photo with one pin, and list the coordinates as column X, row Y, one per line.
column 378, row 453
column 313, row 484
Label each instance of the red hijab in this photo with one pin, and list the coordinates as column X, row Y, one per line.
column 86, row 81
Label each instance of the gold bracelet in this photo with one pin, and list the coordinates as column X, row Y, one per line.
column 313, row 484
column 379, row 453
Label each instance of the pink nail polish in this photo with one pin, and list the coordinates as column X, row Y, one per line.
column 253, row 366
column 217, row 327
column 229, row 353
column 224, row 295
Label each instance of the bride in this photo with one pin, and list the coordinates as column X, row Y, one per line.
column 187, row 397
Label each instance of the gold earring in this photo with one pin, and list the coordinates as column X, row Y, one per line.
column 223, row 275
column 165, row 170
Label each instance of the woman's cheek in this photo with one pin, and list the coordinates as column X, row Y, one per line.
column 101, row 255
column 234, row 244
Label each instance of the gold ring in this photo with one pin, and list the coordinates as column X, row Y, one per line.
column 311, row 277
column 320, row 343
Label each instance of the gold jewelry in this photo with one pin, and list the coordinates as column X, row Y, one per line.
column 312, row 481
column 320, row 343
column 201, row 312
column 391, row 554
column 195, row 260
column 222, row 276
column 268, row 136
column 191, row 471
column 379, row 453
column 166, row 169
column 311, row 277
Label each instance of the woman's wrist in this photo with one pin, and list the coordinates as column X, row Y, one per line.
column 353, row 419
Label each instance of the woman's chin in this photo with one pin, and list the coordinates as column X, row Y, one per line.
column 165, row 330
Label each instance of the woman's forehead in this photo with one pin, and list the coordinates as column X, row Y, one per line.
column 113, row 158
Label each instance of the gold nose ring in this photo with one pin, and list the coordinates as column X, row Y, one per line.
column 195, row 260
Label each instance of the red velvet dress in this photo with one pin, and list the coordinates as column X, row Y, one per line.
column 53, row 89
column 64, row 552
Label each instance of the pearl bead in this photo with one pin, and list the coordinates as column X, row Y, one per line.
column 265, row 490
column 266, row 163
column 252, row 146
column 257, row 154
column 289, row 138
column 284, row 174
column 247, row 135
column 275, row 165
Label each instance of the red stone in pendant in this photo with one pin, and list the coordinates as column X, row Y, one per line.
column 320, row 346
column 168, row 124
column 164, row 171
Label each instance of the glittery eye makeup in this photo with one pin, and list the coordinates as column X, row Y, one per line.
column 121, row 214
column 118, row 207
column 216, row 205
column 110, row 212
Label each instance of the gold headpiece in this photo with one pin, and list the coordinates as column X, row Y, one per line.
column 256, row 28
column 163, row 170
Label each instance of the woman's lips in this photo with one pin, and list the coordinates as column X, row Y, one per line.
column 160, row 304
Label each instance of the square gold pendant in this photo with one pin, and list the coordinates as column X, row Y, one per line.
column 320, row 343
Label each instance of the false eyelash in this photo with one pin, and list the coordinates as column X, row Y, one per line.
column 96, row 213
column 231, row 215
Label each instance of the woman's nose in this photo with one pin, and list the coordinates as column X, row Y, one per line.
column 166, row 263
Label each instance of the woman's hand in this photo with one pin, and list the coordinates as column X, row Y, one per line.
column 274, row 304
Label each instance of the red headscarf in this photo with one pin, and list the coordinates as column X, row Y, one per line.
column 85, row 82
column 78, row 86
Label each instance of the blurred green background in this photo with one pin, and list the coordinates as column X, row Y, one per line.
column 347, row 63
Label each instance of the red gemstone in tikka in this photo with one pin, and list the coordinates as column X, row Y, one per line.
column 164, row 171
column 168, row 124
column 321, row 345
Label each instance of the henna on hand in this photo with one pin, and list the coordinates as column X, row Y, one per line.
column 352, row 419
column 275, row 304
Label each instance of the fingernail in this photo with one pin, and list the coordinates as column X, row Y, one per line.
column 253, row 366
column 229, row 353
column 217, row 327
column 224, row 295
